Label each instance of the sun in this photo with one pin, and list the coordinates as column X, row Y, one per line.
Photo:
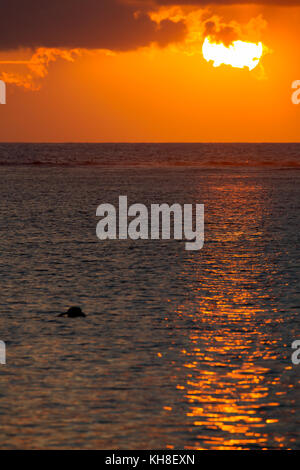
column 238, row 54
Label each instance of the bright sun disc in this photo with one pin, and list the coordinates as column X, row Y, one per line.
column 239, row 54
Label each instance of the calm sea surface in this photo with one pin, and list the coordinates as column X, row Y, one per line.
column 180, row 349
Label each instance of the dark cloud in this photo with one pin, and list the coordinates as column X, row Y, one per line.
column 225, row 33
column 98, row 24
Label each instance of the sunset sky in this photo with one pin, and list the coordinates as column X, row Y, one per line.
column 133, row 71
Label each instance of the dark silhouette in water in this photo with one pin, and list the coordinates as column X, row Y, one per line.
column 73, row 312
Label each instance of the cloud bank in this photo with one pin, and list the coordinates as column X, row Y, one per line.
column 86, row 24
column 117, row 25
column 64, row 28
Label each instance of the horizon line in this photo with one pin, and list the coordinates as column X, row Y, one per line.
column 146, row 142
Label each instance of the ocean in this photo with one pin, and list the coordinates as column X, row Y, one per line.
column 180, row 349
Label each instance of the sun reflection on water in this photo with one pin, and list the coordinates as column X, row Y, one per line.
column 229, row 386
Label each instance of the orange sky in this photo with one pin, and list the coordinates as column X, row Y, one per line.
column 161, row 93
